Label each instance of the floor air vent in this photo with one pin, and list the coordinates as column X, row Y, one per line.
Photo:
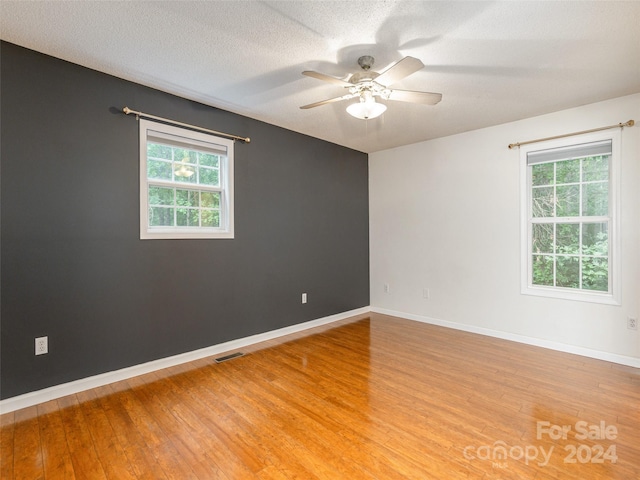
column 229, row 357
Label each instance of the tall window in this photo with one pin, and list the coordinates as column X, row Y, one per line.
column 569, row 222
column 186, row 183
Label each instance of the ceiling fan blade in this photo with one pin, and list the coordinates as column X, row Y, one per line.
column 399, row 70
column 331, row 100
column 327, row 78
column 425, row 98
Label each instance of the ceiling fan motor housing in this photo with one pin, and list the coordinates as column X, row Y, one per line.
column 363, row 77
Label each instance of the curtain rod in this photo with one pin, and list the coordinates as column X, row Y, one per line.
column 128, row 111
column 630, row 123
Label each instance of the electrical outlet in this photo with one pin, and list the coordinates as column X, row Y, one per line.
column 42, row 345
column 304, row 298
column 632, row 323
column 386, row 288
column 425, row 293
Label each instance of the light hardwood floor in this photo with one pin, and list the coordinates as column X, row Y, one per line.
column 371, row 397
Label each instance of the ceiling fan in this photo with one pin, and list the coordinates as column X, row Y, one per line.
column 368, row 84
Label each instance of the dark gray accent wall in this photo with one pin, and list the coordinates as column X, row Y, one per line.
column 72, row 264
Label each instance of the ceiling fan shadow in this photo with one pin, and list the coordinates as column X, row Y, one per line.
column 256, row 87
column 482, row 70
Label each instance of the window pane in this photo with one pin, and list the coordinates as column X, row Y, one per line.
column 160, row 217
column 568, row 171
column 194, row 217
column 158, row 169
column 181, row 217
column 186, row 198
column 568, row 201
column 567, row 272
column 160, row 196
column 182, row 197
column 209, row 160
column 542, row 202
column 595, row 239
column 595, row 199
column 542, row 270
column 158, row 151
column 183, row 155
column 187, row 217
column 542, row 238
column 210, row 199
column 595, row 168
column 210, row 218
column 542, row 174
column 595, row 273
column 209, row 176
column 568, row 238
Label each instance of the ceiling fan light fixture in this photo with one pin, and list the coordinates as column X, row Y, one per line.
column 366, row 109
column 183, row 170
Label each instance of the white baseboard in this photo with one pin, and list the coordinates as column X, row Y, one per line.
column 40, row 396
column 561, row 347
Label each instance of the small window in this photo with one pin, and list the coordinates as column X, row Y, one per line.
column 186, row 183
column 569, row 219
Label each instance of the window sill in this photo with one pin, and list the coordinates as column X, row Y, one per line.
column 178, row 234
column 570, row 294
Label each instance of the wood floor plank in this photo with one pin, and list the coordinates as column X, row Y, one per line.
column 132, row 443
column 55, row 451
column 7, row 446
column 27, row 455
column 177, row 443
column 84, row 457
column 200, row 432
column 112, row 455
column 372, row 397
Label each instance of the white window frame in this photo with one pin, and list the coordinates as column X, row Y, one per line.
column 190, row 137
column 613, row 296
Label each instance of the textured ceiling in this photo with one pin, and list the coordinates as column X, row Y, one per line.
column 494, row 62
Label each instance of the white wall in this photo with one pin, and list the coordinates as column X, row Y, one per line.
column 445, row 215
